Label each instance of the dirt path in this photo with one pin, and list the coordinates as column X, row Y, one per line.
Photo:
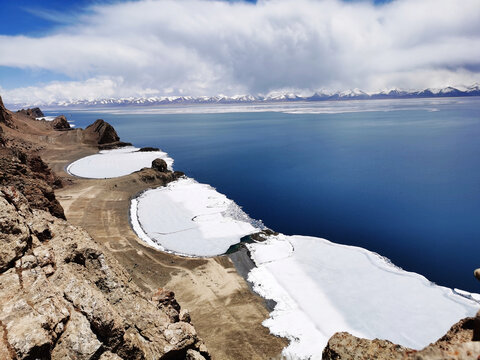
column 224, row 311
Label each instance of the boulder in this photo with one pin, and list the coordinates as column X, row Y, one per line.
column 101, row 132
column 476, row 273
column 60, row 123
column 159, row 165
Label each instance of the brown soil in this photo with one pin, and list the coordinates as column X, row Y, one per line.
column 226, row 314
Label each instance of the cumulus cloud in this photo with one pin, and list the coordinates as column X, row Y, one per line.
column 200, row 47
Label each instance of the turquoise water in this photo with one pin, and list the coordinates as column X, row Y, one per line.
column 404, row 183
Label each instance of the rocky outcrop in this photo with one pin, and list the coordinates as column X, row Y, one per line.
column 101, row 132
column 148, row 149
column 159, row 165
column 3, row 142
column 33, row 113
column 457, row 344
column 63, row 297
column 5, row 115
column 60, row 123
column 31, row 176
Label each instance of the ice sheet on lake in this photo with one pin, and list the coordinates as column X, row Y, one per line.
column 189, row 218
column 115, row 163
column 321, row 287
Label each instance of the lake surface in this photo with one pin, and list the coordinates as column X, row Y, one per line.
column 401, row 178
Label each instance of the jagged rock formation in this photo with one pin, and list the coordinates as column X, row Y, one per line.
column 5, row 115
column 101, row 133
column 33, row 112
column 159, row 165
column 60, row 123
column 63, row 297
column 31, row 176
column 457, row 344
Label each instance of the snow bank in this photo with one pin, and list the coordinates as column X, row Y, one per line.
column 189, row 218
column 46, row 118
column 321, row 288
column 115, row 163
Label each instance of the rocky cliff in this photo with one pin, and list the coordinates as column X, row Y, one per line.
column 101, row 133
column 64, row 296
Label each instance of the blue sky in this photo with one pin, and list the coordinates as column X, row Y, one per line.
column 93, row 48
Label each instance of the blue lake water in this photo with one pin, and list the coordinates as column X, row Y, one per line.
column 401, row 178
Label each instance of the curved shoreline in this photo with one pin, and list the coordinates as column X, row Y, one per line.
column 223, row 308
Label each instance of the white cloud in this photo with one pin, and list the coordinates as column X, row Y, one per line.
column 200, row 47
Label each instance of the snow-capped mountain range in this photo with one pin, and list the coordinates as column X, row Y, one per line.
column 354, row 94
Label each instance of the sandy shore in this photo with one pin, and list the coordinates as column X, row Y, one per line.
column 225, row 312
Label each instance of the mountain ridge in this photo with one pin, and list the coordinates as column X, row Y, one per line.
column 351, row 94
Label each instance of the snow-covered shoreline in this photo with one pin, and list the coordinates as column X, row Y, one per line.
column 189, row 218
column 319, row 287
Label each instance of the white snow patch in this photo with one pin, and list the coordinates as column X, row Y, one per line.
column 189, row 218
column 321, row 288
column 46, row 118
column 115, row 163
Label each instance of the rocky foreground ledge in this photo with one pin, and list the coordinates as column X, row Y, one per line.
column 460, row 343
column 62, row 296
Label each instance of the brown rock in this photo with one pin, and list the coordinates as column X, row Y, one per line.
column 165, row 299
column 5, row 115
column 457, row 344
column 14, row 233
column 60, row 123
column 194, row 355
column 159, row 165
column 101, row 132
column 77, row 340
column 65, row 298
column 33, row 113
column 32, row 177
column 476, row 327
column 476, row 273
column 109, row 356
column 148, row 149
column 3, row 142
column 345, row 346
column 185, row 315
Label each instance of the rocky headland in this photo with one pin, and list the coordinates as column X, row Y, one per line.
column 77, row 283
